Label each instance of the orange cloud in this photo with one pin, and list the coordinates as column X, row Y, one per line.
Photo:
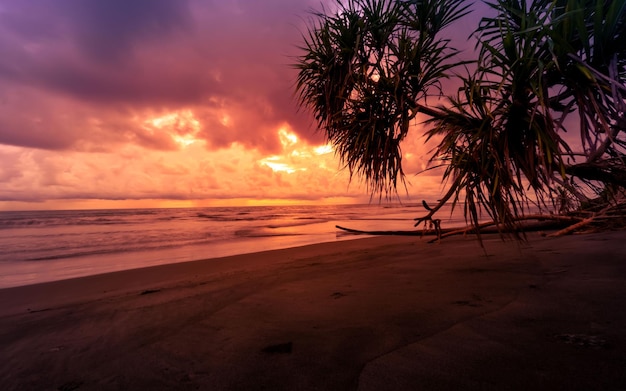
column 300, row 171
column 181, row 103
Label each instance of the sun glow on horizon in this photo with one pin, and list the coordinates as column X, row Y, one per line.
column 200, row 126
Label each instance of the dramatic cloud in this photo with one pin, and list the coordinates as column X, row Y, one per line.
column 74, row 68
column 192, row 173
column 161, row 99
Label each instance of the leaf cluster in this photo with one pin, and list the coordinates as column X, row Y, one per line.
column 539, row 62
column 364, row 70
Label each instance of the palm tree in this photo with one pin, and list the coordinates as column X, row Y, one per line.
column 539, row 62
column 365, row 70
column 368, row 67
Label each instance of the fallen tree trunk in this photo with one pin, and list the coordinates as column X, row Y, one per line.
column 421, row 232
column 543, row 222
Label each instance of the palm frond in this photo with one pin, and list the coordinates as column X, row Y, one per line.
column 363, row 72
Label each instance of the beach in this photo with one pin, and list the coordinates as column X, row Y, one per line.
column 377, row 313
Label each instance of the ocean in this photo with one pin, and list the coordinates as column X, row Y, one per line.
column 40, row 246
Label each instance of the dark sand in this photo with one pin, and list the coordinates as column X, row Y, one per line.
column 383, row 313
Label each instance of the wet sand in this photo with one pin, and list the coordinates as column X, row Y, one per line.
column 379, row 313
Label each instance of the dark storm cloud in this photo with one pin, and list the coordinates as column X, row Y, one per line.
column 104, row 30
column 107, row 30
column 93, row 49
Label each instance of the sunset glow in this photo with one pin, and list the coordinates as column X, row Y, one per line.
column 183, row 103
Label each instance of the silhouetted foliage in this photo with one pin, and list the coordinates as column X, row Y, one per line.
column 368, row 66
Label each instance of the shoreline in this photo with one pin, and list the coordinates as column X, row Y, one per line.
column 55, row 245
column 51, row 270
column 184, row 272
column 373, row 313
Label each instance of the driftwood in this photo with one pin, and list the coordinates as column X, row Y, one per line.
column 602, row 215
column 429, row 222
column 421, row 232
column 573, row 227
column 543, row 222
column 616, row 211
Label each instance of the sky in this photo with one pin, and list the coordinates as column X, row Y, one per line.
column 165, row 103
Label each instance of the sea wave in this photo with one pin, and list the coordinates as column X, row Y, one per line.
column 65, row 238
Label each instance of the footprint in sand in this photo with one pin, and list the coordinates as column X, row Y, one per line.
column 338, row 295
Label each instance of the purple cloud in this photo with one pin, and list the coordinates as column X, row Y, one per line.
column 95, row 59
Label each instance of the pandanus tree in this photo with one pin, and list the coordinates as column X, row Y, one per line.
column 545, row 69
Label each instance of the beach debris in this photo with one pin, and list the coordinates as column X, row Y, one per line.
column 398, row 232
column 149, row 291
column 430, row 224
column 611, row 216
column 542, row 222
column 281, row 348
column 582, row 340
column 338, row 295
